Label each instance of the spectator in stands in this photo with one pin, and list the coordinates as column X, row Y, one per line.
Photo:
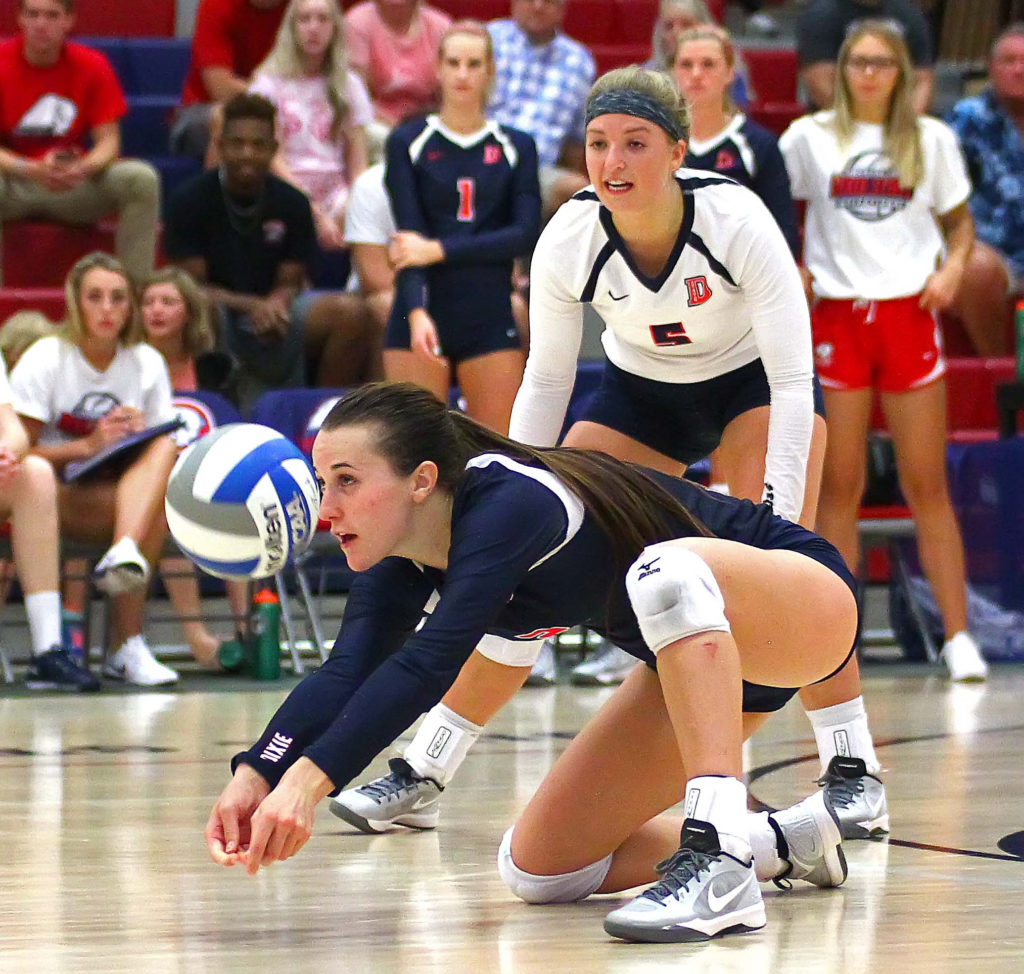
column 249, row 238
column 28, row 503
column 176, row 320
column 230, row 39
column 466, row 202
column 722, row 138
column 540, row 88
column 886, row 240
column 60, row 138
column 824, row 23
column 990, row 127
column 322, row 108
column 80, row 392
column 676, row 16
column 393, row 45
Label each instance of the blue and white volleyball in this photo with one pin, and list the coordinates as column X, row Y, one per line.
column 241, row 501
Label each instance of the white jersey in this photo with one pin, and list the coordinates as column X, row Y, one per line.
column 866, row 236
column 55, row 384
column 368, row 219
column 729, row 294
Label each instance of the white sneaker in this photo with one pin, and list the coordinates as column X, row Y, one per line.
column 963, row 659
column 399, row 798
column 809, row 843
column 122, row 569
column 607, row 666
column 545, row 669
column 134, row 663
column 857, row 798
column 704, row 891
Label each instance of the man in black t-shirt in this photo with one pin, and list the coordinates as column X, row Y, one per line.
column 822, row 28
column 249, row 238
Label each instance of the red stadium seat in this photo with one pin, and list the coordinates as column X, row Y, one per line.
column 111, row 18
column 590, row 21
column 50, row 301
column 773, row 72
column 610, row 56
column 40, row 254
column 775, row 116
column 634, row 22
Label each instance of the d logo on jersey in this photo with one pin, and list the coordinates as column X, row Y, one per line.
column 697, row 291
column 548, row 633
column 492, row 154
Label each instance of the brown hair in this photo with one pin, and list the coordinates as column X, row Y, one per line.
column 197, row 335
column 412, row 426
column 74, row 327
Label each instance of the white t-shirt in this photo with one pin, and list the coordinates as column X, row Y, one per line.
column 304, row 125
column 864, row 235
column 54, row 384
column 729, row 294
column 368, row 219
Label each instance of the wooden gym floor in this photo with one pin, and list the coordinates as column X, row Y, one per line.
column 103, row 802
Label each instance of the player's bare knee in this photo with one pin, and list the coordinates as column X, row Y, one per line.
column 674, row 594
column 560, row 888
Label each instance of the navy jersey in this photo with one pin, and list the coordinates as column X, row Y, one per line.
column 477, row 194
column 525, row 562
column 749, row 153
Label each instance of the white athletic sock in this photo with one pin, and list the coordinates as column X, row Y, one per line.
column 764, row 845
column 722, row 801
column 443, row 740
column 843, row 730
column 43, row 611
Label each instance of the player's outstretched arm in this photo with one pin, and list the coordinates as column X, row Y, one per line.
column 228, row 828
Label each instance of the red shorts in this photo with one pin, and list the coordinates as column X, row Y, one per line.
column 892, row 345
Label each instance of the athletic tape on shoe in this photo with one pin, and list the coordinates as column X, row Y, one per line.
column 674, row 595
column 561, row 888
column 441, row 743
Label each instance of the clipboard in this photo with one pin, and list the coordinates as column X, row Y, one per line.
column 115, row 457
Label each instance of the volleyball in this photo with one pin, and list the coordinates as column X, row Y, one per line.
column 241, row 501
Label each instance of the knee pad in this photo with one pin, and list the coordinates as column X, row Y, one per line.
column 674, row 594
column 563, row 888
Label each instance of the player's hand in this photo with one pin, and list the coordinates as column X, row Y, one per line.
column 411, row 249
column 61, row 170
column 228, row 828
column 109, row 429
column 941, row 288
column 270, row 317
column 423, row 337
column 328, row 231
column 284, row 820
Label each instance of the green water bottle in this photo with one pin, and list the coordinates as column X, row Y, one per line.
column 231, row 655
column 1019, row 329
column 266, row 635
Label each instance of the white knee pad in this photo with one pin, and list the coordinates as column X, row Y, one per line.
column 674, row 595
column 563, row 888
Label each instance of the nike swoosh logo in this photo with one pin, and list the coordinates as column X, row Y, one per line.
column 719, row 903
column 621, row 297
column 421, row 801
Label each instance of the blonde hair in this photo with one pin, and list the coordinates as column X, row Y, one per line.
column 197, row 335
column 712, row 32
column 74, row 327
column 652, row 84
column 901, row 133
column 285, row 61
column 22, row 329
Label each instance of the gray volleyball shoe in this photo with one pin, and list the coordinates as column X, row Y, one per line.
column 703, row 892
column 399, row 798
column 857, row 797
column 810, row 843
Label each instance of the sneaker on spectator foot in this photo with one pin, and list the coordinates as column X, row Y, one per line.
column 963, row 659
column 399, row 798
column 810, row 843
column 122, row 569
column 704, row 891
column 56, row 670
column 545, row 669
column 857, row 798
column 135, row 663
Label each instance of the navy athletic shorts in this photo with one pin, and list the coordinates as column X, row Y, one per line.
column 471, row 307
column 682, row 420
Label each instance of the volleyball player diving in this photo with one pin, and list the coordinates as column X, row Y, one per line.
column 496, row 542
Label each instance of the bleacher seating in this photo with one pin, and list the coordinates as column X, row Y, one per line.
column 152, row 18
